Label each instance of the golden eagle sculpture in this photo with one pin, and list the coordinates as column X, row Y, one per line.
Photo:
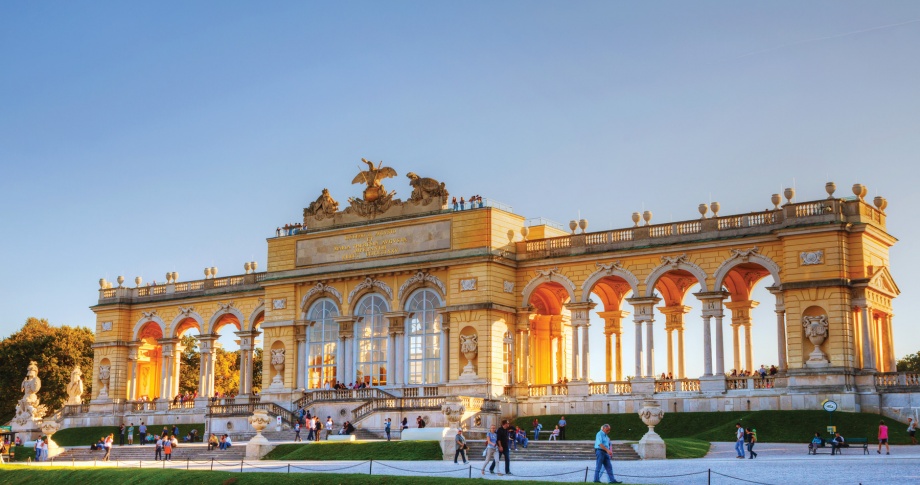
column 372, row 176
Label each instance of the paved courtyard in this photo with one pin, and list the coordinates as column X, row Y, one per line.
column 777, row 464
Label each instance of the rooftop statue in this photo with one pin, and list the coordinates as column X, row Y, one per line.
column 425, row 189
column 376, row 199
column 324, row 206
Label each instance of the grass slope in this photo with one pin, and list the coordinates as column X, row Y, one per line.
column 374, row 450
column 678, row 448
column 772, row 426
column 89, row 435
column 22, row 475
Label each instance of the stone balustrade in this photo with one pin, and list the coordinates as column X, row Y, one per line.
column 184, row 289
column 849, row 210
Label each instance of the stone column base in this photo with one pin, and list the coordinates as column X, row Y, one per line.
column 712, row 384
column 258, row 447
column 642, row 385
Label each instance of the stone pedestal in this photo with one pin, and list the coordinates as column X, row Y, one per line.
column 651, row 446
column 258, row 446
column 642, row 385
column 48, row 429
column 713, row 384
column 580, row 388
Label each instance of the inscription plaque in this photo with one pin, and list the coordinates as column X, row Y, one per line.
column 374, row 243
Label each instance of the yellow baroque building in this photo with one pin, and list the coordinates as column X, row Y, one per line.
column 425, row 302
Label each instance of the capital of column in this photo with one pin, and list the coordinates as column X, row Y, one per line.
column 644, row 308
column 133, row 349
column 613, row 321
column 674, row 316
column 396, row 321
column 712, row 302
column 581, row 312
column 346, row 326
column 247, row 338
column 780, row 299
column 741, row 311
column 524, row 317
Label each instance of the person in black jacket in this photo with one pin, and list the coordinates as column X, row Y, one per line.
column 503, row 443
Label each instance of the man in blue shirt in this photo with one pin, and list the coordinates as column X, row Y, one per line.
column 604, row 454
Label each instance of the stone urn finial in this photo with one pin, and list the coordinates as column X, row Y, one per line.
column 247, row 267
column 715, row 206
column 830, row 188
column 880, row 202
column 860, row 190
column 651, row 446
column 524, row 232
column 120, row 280
column 583, row 225
column 254, row 265
column 138, row 281
column 703, row 208
column 207, row 273
column 213, row 271
column 647, row 217
column 776, row 199
column 816, row 332
column 175, row 276
column 510, row 236
column 469, row 347
column 259, row 421
column 49, row 428
column 573, row 224
column 102, row 283
column 789, row 193
column 636, row 217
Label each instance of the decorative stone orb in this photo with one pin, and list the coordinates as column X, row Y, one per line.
column 120, row 280
column 715, row 209
column 635, row 218
column 860, row 190
column 703, row 208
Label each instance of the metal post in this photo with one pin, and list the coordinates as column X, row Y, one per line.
column 586, row 474
column 371, row 471
column 241, row 466
column 212, row 464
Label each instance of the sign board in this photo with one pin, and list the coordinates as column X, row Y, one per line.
column 374, row 243
column 278, row 420
column 831, row 430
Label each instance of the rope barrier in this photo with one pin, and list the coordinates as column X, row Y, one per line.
column 332, row 470
column 742, row 479
column 660, row 476
column 413, row 471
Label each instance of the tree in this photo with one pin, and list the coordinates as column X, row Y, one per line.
column 226, row 372
column 257, row 369
column 910, row 363
column 56, row 350
column 188, row 370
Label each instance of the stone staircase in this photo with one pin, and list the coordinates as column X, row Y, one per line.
column 556, row 451
column 194, row 452
column 283, row 435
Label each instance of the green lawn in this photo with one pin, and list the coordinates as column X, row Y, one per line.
column 374, row 450
column 678, row 448
column 772, row 426
column 87, row 436
column 22, row 475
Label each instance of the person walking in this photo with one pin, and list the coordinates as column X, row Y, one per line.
column 297, row 432
column 460, row 443
column 143, row 432
column 883, row 438
column 491, row 446
column 562, row 427
column 912, row 430
column 318, row 425
column 38, row 449
column 603, row 454
column 504, row 445
column 537, row 427
column 388, row 422
column 751, row 438
column 329, row 426
column 109, row 441
column 739, row 440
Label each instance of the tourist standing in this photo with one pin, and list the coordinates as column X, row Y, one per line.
column 460, row 443
column 319, row 426
column 131, row 434
column 158, row 449
column 603, row 454
column 121, row 435
column 405, row 423
column 38, row 449
column 883, row 438
column 297, row 432
column 329, row 426
column 912, row 430
column 167, row 449
column 388, row 422
column 504, row 444
column 491, row 446
column 143, row 431
column 420, row 422
column 311, row 426
column 537, row 427
column 561, row 427
column 739, row 440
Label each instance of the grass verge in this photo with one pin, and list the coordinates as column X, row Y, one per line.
column 89, row 435
column 678, row 448
column 374, row 450
column 22, row 475
column 772, row 426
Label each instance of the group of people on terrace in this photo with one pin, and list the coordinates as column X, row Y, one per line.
column 474, row 202
column 289, row 229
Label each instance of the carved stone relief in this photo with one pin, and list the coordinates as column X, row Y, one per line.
column 812, row 257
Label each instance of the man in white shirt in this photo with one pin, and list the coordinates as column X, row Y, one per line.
column 739, row 440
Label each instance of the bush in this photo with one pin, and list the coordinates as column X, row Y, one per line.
column 89, row 435
column 23, row 453
column 350, row 450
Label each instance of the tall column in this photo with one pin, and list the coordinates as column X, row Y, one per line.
column 712, row 307
column 170, row 356
column 867, row 340
column 736, row 346
column 340, row 359
column 608, row 355
column 206, row 365
column 674, row 322
column 780, row 327
column 396, row 325
column 300, row 377
column 613, row 332
column 531, row 357
column 644, row 311
column 132, row 379
column 707, row 346
column 445, row 349
column 741, row 319
column 247, row 345
column 580, row 350
column 892, row 358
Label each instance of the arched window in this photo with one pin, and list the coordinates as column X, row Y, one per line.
column 322, row 338
column 424, row 334
column 371, row 336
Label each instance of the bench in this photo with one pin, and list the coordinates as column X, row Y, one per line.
column 849, row 443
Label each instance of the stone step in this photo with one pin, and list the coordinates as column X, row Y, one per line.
column 195, row 452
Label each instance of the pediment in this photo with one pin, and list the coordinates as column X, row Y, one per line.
column 883, row 282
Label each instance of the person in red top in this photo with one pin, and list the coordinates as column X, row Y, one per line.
column 883, row 438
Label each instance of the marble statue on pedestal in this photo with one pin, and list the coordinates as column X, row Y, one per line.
column 29, row 412
column 75, row 387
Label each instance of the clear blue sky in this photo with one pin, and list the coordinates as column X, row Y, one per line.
column 140, row 138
